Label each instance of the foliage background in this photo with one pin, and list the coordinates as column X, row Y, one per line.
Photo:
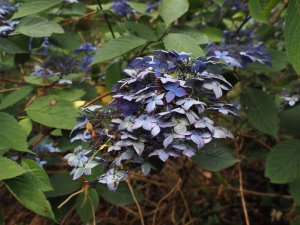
column 39, row 109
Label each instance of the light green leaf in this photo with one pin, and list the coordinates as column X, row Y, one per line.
column 171, row 10
column 12, row 135
column 38, row 173
column 139, row 7
column 121, row 196
column 15, row 96
column 25, row 191
column 87, row 204
column 38, row 27
column 52, row 111
column 295, row 190
column 214, row 34
column 117, row 47
column 62, row 185
column 260, row 9
column 261, row 110
column 69, row 94
column 183, row 43
column 292, row 33
column 283, row 162
column 215, row 156
column 34, row 6
column 10, row 169
column 26, row 124
column 199, row 37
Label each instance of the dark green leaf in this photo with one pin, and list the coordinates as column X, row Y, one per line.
column 292, row 33
column 283, row 162
column 290, row 120
column 121, row 196
column 113, row 75
column 62, row 185
column 10, row 169
column 87, row 204
column 260, row 9
column 10, row 47
column 215, row 156
column 295, row 190
column 25, row 191
column 69, row 94
column 261, row 110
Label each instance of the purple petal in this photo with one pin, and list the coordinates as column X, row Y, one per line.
column 170, row 96
column 150, row 106
column 167, row 141
column 155, row 131
column 180, row 92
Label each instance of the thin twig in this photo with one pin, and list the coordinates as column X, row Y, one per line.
column 96, row 99
column 9, row 89
column 246, row 19
column 136, row 202
column 241, row 188
column 106, row 19
column 179, row 182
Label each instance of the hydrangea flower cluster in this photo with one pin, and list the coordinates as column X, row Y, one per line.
column 6, row 25
column 162, row 109
column 239, row 53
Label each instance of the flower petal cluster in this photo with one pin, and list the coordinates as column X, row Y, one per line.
column 162, row 109
column 122, row 8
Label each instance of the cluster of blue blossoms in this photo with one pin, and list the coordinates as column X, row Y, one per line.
column 239, row 53
column 164, row 108
column 6, row 25
column 122, row 7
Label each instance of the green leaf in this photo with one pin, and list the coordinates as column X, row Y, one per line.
column 117, row 47
column 38, row 27
column 26, row 124
column 62, row 185
column 39, row 174
column 113, row 75
column 283, row 162
column 296, row 221
column 68, row 40
column 26, row 192
column 292, row 33
column 260, row 9
column 121, row 196
column 15, row 96
column 214, row 34
column 183, row 42
column 52, row 111
column 87, row 204
column 10, row 47
column 69, row 94
column 199, row 37
column 290, row 120
column 34, row 6
column 10, row 169
column 215, row 156
column 171, row 10
column 12, row 134
column 140, row 30
column 261, row 110
column 294, row 189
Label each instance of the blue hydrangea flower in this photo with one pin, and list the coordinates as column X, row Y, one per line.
column 174, row 90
